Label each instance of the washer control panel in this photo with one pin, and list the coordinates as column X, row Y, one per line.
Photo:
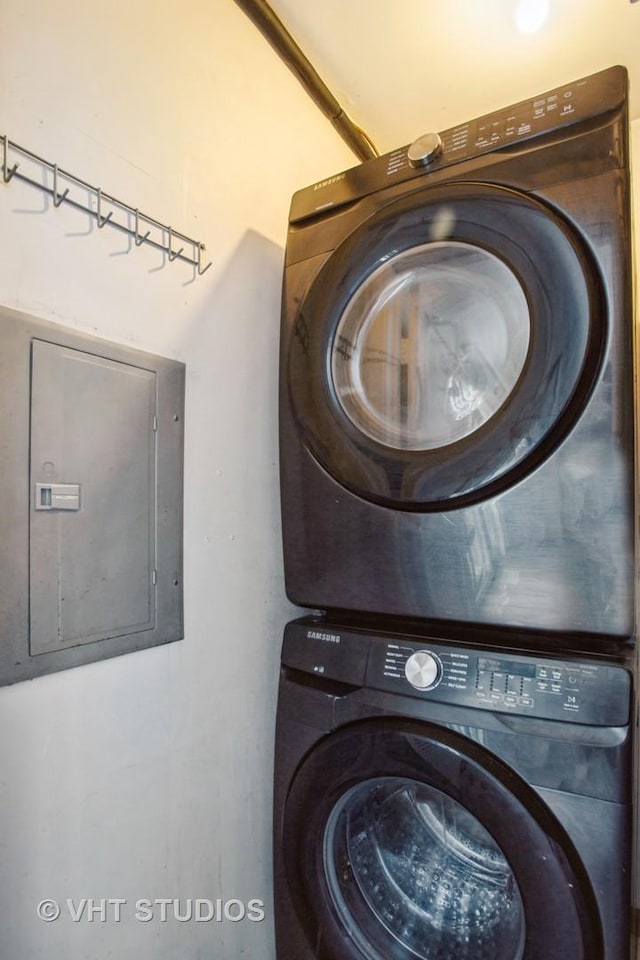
column 583, row 691
column 579, row 691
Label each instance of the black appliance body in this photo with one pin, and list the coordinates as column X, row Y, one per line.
column 456, row 406
column 439, row 801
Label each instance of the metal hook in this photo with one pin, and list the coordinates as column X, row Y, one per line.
column 57, row 200
column 7, row 174
column 137, row 237
column 202, row 269
column 100, row 219
column 173, row 256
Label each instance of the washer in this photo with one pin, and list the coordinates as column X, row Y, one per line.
column 438, row 800
column 456, row 375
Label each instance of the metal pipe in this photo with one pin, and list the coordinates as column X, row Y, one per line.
column 273, row 30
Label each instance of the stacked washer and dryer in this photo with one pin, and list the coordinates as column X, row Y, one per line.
column 453, row 751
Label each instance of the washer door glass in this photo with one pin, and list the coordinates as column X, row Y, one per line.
column 431, row 345
column 408, row 865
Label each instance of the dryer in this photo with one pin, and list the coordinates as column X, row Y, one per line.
column 456, row 401
column 438, row 800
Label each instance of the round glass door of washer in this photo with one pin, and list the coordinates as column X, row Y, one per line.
column 431, row 345
column 412, row 873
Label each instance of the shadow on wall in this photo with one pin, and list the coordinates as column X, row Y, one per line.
column 246, row 297
column 232, row 511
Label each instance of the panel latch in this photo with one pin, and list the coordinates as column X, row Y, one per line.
column 57, row 496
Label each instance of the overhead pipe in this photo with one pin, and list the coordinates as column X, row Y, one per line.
column 261, row 14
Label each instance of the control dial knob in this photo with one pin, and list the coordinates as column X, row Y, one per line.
column 423, row 670
column 425, row 149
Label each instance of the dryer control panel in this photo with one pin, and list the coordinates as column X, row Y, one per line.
column 580, row 691
column 553, row 110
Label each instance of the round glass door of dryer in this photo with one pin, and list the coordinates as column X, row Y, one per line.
column 447, row 346
column 431, row 346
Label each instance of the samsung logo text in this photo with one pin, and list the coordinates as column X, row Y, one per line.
column 328, row 637
column 328, row 181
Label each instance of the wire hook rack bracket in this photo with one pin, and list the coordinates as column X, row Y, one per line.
column 103, row 207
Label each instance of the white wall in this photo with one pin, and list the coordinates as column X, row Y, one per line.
column 149, row 776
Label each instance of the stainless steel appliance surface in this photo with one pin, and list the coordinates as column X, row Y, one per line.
column 438, row 800
column 456, row 404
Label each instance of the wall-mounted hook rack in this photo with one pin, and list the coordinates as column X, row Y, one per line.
column 92, row 200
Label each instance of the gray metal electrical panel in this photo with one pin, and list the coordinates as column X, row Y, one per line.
column 91, row 462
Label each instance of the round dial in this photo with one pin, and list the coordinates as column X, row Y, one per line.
column 423, row 670
column 425, row 149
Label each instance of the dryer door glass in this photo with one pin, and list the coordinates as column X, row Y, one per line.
column 445, row 348
column 431, row 345
column 410, row 869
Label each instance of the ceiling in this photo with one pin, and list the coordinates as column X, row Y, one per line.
column 401, row 68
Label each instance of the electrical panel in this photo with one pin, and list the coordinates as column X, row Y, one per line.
column 91, row 463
